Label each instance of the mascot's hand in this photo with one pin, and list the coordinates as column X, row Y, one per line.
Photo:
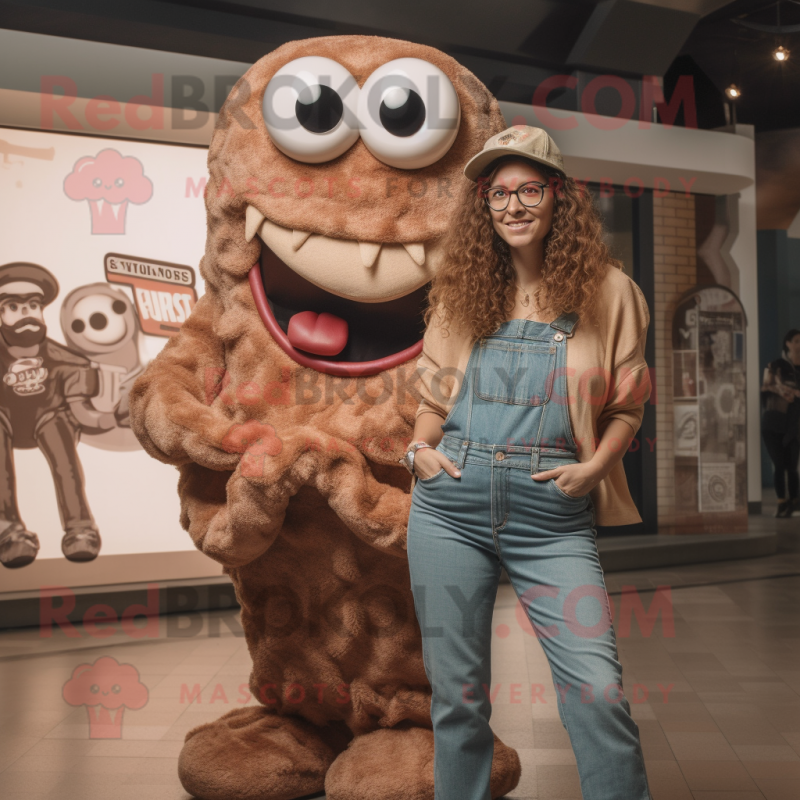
column 174, row 426
column 168, row 410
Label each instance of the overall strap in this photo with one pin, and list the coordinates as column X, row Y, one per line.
column 566, row 323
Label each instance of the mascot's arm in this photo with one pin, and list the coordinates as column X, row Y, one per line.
column 173, row 414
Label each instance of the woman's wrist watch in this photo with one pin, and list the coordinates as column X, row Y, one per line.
column 408, row 458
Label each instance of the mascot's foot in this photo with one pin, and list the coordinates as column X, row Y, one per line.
column 250, row 754
column 81, row 544
column 18, row 546
column 397, row 764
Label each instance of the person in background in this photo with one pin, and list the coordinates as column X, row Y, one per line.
column 780, row 421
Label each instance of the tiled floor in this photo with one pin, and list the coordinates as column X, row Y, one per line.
column 729, row 729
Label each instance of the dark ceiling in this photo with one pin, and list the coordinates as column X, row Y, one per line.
column 724, row 49
column 512, row 47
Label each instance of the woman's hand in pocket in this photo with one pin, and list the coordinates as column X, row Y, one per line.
column 428, row 461
column 574, row 480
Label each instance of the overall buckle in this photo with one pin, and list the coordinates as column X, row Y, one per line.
column 566, row 325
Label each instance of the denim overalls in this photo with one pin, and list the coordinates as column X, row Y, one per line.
column 511, row 419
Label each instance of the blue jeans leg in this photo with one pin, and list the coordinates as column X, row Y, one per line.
column 455, row 573
column 549, row 550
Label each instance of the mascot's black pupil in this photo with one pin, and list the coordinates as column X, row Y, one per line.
column 78, row 325
column 405, row 120
column 323, row 114
column 98, row 321
column 118, row 306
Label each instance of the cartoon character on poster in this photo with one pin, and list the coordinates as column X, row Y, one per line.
column 50, row 395
column 100, row 322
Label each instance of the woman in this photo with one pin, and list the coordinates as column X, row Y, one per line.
column 780, row 421
column 533, row 388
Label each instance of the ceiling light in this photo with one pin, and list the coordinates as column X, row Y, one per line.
column 733, row 92
column 780, row 54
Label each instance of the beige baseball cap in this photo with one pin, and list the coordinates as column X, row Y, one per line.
column 524, row 141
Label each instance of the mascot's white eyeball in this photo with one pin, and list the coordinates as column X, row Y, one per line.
column 409, row 113
column 310, row 109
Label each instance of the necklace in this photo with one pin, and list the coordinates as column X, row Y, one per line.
column 527, row 300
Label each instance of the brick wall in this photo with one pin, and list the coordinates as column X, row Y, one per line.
column 675, row 272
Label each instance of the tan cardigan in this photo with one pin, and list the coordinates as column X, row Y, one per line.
column 607, row 378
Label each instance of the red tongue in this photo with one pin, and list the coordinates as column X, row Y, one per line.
column 322, row 334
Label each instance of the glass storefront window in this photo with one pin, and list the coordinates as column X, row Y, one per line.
column 616, row 211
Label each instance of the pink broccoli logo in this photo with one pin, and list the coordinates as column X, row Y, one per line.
column 109, row 181
column 105, row 687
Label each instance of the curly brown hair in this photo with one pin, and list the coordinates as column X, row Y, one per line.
column 475, row 285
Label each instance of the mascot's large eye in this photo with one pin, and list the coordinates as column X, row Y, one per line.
column 319, row 109
column 310, row 109
column 409, row 113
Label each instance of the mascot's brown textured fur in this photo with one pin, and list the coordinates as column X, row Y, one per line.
column 302, row 500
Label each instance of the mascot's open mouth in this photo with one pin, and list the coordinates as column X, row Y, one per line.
column 369, row 322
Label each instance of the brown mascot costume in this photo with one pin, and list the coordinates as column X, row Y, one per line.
column 289, row 396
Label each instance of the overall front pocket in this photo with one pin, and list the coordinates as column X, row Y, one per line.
column 516, row 373
column 561, row 493
column 432, row 477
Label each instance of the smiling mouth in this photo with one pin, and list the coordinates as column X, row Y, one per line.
column 372, row 320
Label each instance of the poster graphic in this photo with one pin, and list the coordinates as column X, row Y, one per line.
column 687, row 430
column 100, row 322
column 9, row 152
column 721, row 402
column 684, row 374
column 164, row 293
column 45, row 391
column 708, row 337
column 717, row 486
column 685, row 329
column 76, row 333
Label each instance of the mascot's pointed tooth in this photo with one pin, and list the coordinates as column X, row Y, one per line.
column 299, row 238
column 252, row 222
column 369, row 252
column 416, row 251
